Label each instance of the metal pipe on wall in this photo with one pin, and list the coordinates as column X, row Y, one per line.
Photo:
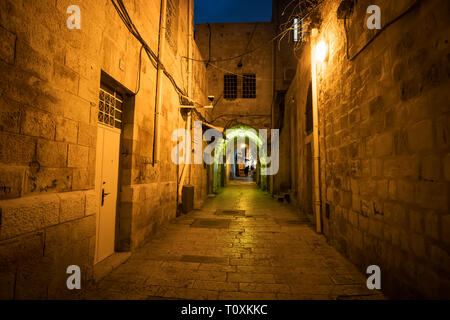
column 189, row 82
column 159, row 78
column 187, row 126
column 316, row 156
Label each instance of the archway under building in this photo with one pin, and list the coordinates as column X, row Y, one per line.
column 239, row 158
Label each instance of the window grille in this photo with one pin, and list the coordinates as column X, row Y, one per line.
column 110, row 108
column 249, row 86
column 230, row 86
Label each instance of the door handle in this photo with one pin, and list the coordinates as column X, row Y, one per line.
column 103, row 196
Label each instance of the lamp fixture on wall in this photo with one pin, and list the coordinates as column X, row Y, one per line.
column 191, row 105
column 321, row 51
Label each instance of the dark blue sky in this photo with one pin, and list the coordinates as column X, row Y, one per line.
column 232, row 11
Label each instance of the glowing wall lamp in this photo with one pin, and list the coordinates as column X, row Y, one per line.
column 321, row 51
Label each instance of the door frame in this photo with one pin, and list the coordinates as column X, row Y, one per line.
column 98, row 189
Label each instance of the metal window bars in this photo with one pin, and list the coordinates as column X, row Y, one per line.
column 230, row 86
column 249, row 86
column 110, row 109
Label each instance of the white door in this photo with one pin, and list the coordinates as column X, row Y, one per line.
column 106, row 180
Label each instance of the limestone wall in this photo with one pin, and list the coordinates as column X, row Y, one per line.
column 49, row 87
column 231, row 40
column 384, row 143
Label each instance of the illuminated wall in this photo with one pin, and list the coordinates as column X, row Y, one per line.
column 384, row 142
column 49, row 88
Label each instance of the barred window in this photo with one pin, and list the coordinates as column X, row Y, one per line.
column 110, row 108
column 230, row 86
column 249, row 86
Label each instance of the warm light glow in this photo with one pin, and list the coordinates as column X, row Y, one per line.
column 243, row 145
column 321, row 51
column 295, row 29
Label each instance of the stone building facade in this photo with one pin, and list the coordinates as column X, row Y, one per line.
column 218, row 42
column 49, row 119
column 371, row 171
column 383, row 138
column 239, row 61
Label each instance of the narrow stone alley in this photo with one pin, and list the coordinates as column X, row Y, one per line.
column 242, row 244
column 226, row 149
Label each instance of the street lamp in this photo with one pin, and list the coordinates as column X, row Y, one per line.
column 321, row 51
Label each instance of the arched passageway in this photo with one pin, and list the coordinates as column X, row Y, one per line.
column 239, row 157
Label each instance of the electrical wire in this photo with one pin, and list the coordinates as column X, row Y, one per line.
column 287, row 6
column 209, row 44
column 156, row 62
column 305, row 9
column 240, row 55
column 249, row 40
column 351, row 58
column 241, row 116
column 138, row 84
column 241, row 75
column 311, row 4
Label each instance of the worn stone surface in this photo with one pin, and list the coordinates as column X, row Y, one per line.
column 7, row 45
column 11, row 181
column 255, row 258
column 66, row 130
column 91, row 202
column 77, row 156
column 383, row 146
column 49, row 91
column 72, row 205
column 20, row 216
column 383, row 140
column 52, row 154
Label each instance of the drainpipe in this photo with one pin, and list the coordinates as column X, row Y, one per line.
column 189, row 83
column 187, row 144
column 158, row 95
column 316, row 156
column 271, row 179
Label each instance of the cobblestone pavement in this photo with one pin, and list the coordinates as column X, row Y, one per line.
column 270, row 252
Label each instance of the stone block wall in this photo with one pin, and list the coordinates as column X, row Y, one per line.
column 384, row 151
column 231, row 40
column 40, row 237
column 296, row 101
column 49, row 88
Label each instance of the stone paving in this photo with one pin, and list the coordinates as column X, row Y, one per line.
column 267, row 252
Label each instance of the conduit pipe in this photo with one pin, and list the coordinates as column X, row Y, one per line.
column 189, row 83
column 316, row 155
column 187, row 127
column 159, row 73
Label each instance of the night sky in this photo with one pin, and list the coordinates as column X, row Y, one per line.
column 213, row 11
